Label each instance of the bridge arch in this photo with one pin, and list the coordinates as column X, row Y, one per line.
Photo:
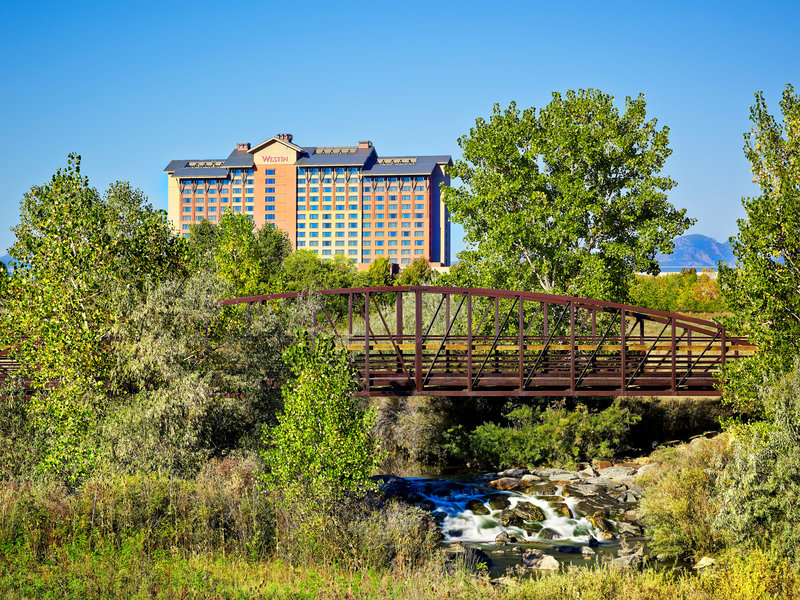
column 430, row 340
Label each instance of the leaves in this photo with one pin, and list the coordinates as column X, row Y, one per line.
column 566, row 200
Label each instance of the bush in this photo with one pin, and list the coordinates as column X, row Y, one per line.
column 759, row 491
column 553, row 435
column 678, row 506
column 221, row 510
column 685, row 292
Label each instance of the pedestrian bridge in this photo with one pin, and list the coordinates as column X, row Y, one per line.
column 427, row 340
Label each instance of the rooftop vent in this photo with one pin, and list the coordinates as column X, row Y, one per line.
column 286, row 137
column 245, row 146
column 363, row 144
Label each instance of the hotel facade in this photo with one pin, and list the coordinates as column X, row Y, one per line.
column 335, row 200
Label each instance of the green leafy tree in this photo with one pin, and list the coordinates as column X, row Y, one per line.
column 75, row 251
column 418, row 272
column 566, row 199
column 762, row 290
column 323, row 441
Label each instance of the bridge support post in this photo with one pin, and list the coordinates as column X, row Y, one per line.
column 469, row 341
column 521, row 340
column 622, row 348
column 366, row 341
column 674, row 352
column 418, row 335
column 572, row 347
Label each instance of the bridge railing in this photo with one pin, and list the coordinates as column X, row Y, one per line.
column 467, row 341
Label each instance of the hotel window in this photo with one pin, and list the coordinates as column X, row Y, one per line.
column 367, row 189
column 405, row 261
column 326, row 207
column 326, row 199
column 212, row 192
column 212, row 200
column 340, row 234
column 314, row 217
column 237, row 209
column 301, row 234
column 405, row 243
column 340, row 207
column 314, row 226
column 379, row 242
column 419, row 243
column 352, row 252
column 187, row 200
column 301, row 189
column 314, row 234
column 406, row 215
column 419, row 224
column 270, row 190
column 326, row 190
column 393, row 242
column 237, row 190
column 313, row 243
column 326, row 243
column 418, row 252
column 340, row 190
column 367, row 216
column 366, row 260
column 366, row 234
column 212, row 218
column 187, row 218
column 367, row 225
column 224, row 199
column 186, row 227
column 392, row 215
column 379, row 207
column 250, row 208
column 270, row 217
column 379, row 188
column 352, row 234
column 267, row 207
column 406, row 198
column 299, row 244
column 270, row 198
column 406, row 207
column 314, row 198
column 367, row 243
column 405, row 252
column 419, row 199
column 405, row 225
column 314, row 189
column 314, row 180
column 419, row 215
column 340, row 226
column 352, row 188
column 326, row 253
column 392, row 198
column 269, row 172
column 212, row 209
column 237, row 198
column 249, row 190
column 248, row 198
column 269, row 180
column 352, row 243
column 379, row 225
column 187, row 209
column 380, row 252
column 392, row 233
column 406, row 234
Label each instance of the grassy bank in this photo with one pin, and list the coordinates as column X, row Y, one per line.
column 131, row 570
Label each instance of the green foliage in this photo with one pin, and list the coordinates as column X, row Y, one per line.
column 759, row 491
column 76, row 250
column 418, row 272
column 192, row 380
column 678, row 502
column 249, row 261
column 568, row 199
column 762, row 290
column 323, row 441
column 221, row 510
column 684, row 292
column 552, row 435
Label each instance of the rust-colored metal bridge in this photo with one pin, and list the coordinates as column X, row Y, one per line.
column 422, row 340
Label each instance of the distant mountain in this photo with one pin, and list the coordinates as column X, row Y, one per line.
column 5, row 259
column 697, row 251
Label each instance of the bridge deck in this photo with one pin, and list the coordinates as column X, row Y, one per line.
column 466, row 341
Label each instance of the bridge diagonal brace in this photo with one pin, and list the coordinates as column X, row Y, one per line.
column 433, row 319
column 546, row 345
column 694, row 364
column 533, row 320
column 494, row 343
column 611, row 324
column 391, row 338
column 647, row 354
column 483, row 318
column 447, row 333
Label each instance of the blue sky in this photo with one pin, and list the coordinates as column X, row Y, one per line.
column 130, row 86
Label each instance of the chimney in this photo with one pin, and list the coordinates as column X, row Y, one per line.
column 364, row 144
column 245, row 146
column 286, row 137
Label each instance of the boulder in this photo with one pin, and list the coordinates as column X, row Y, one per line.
column 427, row 505
column 581, row 490
column 628, row 561
column 601, row 523
column 704, row 563
column 561, row 509
column 515, row 473
column 541, row 490
column 603, row 464
column 532, row 529
column 477, row 507
column 567, row 549
column 564, row 476
column 531, row 478
column 618, row 472
column 549, row 534
column 591, row 507
column 588, row 471
column 499, row 501
column 587, row 551
column 628, row 528
column 508, row 518
column 529, row 512
column 472, row 558
column 504, row 538
column 537, row 560
column 508, row 483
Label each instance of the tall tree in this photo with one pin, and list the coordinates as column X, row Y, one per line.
column 75, row 252
column 763, row 291
column 566, row 199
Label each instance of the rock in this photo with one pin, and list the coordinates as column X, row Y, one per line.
column 704, row 563
column 567, row 549
column 509, row 518
column 548, row 534
column 515, row 473
column 543, row 490
column 618, row 472
column 539, row 561
column 581, row 490
column 499, row 501
column 630, row 498
column 628, row 561
column 587, row 551
column 590, row 507
column 588, row 471
column 505, row 538
column 529, row 512
column 532, row 528
column 532, row 478
column 551, row 498
column 477, row 507
column 508, row 483
column 603, row 464
column 629, row 528
column 427, row 505
column 600, row 522
column 561, row 509
column 564, row 476
column 593, row 543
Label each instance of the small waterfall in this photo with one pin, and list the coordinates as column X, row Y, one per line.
column 476, row 513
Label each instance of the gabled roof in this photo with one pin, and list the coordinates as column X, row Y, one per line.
column 239, row 159
column 255, row 149
column 336, row 156
column 405, row 165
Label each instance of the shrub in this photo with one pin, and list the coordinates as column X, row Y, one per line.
column 759, row 491
column 552, row 435
column 677, row 505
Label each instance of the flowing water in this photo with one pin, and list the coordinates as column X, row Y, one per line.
column 457, row 506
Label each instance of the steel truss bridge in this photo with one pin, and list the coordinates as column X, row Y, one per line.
column 421, row 340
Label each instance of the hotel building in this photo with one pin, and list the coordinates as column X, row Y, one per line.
column 335, row 200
